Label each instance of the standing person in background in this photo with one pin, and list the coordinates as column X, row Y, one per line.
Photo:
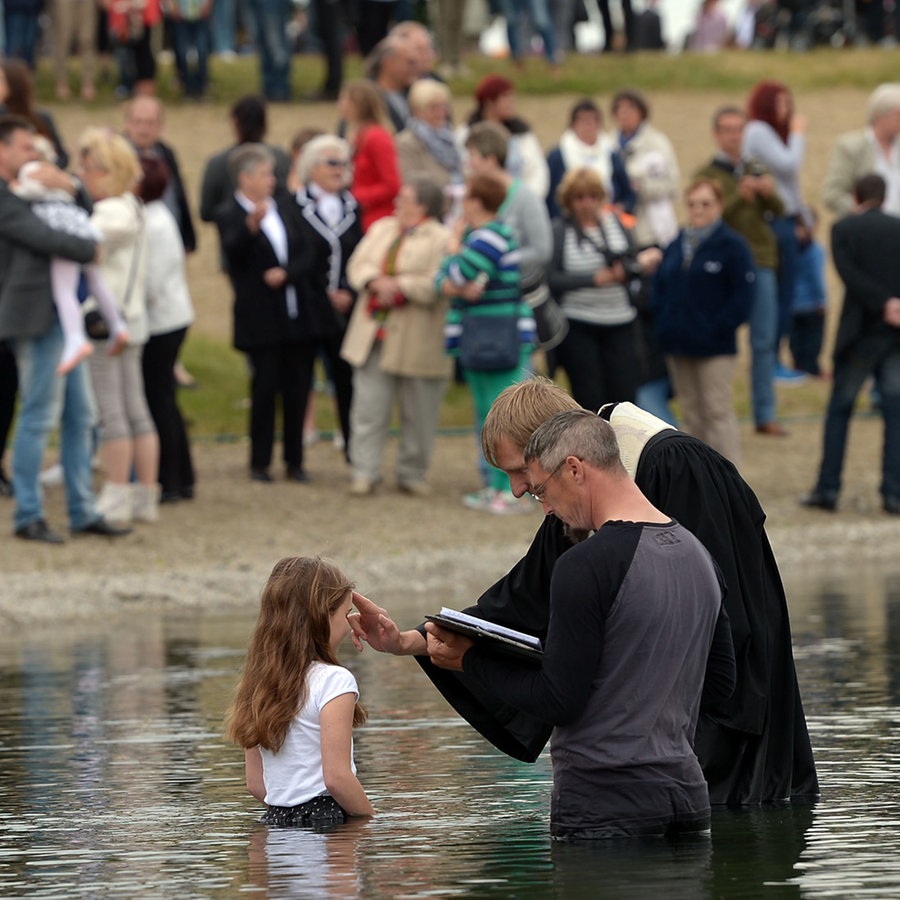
column 191, row 36
column 329, row 22
column 248, row 122
column 223, row 29
column 22, row 26
column 18, row 100
column 75, row 19
column 810, row 301
column 271, row 317
column 585, row 144
column 481, row 279
column 329, row 226
column 609, row 33
column 297, row 740
column 373, row 23
column 870, row 149
column 702, row 293
column 495, row 97
column 28, row 322
column 587, row 275
column 144, row 123
column 864, row 247
column 450, row 36
column 376, row 177
column 395, row 339
column 711, row 31
column 110, row 171
column 270, row 19
column 131, row 28
column 652, row 170
column 538, row 13
column 775, row 134
column 392, row 67
column 751, row 202
column 169, row 315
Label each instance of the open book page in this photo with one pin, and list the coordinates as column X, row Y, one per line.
column 490, row 627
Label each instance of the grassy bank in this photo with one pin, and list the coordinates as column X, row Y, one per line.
column 587, row 74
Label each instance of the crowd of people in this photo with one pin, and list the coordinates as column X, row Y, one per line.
column 407, row 249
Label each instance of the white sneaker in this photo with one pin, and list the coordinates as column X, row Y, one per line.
column 52, row 476
column 480, row 500
column 145, row 503
column 114, row 503
column 310, row 437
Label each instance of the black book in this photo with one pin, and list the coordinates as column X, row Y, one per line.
column 488, row 634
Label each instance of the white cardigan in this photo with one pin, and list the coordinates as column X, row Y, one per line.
column 121, row 222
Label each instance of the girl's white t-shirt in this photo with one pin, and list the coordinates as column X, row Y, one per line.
column 293, row 775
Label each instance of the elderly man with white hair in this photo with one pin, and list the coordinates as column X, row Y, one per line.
column 868, row 150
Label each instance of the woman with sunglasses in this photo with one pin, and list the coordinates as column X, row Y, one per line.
column 329, row 225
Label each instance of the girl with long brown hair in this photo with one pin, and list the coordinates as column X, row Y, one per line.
column 295, row 706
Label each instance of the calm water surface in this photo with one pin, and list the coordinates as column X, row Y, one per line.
column 115, row 782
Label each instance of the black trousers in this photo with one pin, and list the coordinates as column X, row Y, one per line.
column 9, row 385
column 176, row 469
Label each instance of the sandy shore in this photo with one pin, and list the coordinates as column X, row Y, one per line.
column 214, row 552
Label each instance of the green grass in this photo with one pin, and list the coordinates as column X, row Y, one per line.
column 587, row 74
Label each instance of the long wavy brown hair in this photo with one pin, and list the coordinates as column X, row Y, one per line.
column 293, row 631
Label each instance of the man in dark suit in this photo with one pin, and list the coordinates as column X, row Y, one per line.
column 864, row 246
column 29, row 322
column 144, row 121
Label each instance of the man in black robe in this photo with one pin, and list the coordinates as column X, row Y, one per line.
column 754, row 747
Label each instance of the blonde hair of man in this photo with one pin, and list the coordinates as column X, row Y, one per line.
column 520, row 410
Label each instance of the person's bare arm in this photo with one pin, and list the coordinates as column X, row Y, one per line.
column 253, row 767
column 336, row 729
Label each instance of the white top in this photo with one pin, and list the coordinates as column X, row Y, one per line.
column 168, row 299
column 293, row 775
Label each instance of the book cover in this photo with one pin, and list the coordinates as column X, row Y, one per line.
column 497, row 637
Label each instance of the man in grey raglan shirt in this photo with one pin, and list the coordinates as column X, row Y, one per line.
column 635, row 615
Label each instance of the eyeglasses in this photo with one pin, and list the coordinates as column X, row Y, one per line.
column 701, row 204
column 585, row 197
column 538, row 490
column 334, row 163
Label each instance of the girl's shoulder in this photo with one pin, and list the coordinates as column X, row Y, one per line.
column 326, row 681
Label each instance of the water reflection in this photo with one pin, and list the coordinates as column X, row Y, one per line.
column 116, row 780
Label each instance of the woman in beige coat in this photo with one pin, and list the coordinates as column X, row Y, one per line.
column 395, row 340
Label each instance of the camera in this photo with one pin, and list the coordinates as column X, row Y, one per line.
column 754, row 169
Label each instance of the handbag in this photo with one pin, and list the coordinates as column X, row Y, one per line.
column 550, row 321
column 490, row 343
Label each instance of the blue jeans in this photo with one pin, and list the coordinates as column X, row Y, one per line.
column 763, row 346
column 42, row 394
column 21, row 35
column 788, row 250
column 539, row 12
column 186, row 35
column 223, row 21
column 270, row 19
column 653, row 396
column 870, row 356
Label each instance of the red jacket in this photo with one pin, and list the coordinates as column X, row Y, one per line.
column 376, row 178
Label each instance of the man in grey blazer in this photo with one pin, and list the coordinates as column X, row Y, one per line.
column 870, row 149
column 29, row 322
